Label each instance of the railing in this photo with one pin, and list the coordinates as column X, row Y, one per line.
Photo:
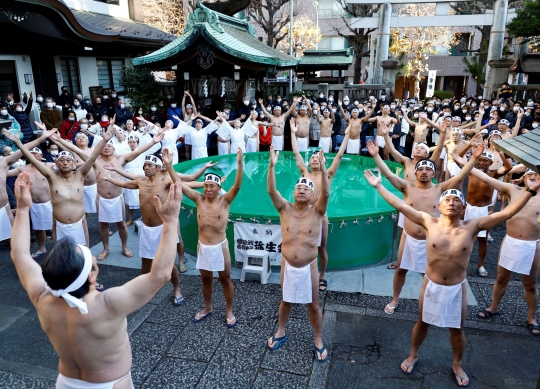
column 526, row 92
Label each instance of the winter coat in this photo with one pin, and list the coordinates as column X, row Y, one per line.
column 51, row 118
column 24, row 120
column 122, row 115
column 68, row 128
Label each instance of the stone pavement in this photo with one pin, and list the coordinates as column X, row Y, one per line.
column 366, row 345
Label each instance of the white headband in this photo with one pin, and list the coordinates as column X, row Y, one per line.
column 452, row 192
column 213, row 178
column 457, row 130
column 81, row 134
column 110, row 143
column 423, row 145
column 487, row 155
column 495, row 132
column 305, row 181
column 425, row 162
column 303, row 107
column 529, row 171
column 66, row 154
column 153, row 159
column 75, row 302
column 36, row 150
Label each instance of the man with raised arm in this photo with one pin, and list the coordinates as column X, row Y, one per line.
column 300, row 225
column 423, row 195
column 278, row 119
column 67, row 189
column 88, row 329
column 303, row 120
column 385, row 120
column 520, row 250
column 326, row 124
column 355, row 124
column 315, row 175
column 449, row 242
column 213, row 248
column 421, row 129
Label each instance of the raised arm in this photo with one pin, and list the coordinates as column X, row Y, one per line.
column 321, row 205
column 292, row 108
column 195, row 176
column 138, row 292
column 263, row 109
column 343, row 115
column 23, row 150
column 299, row 160
column 192, row 103
column 339, row 156
column 399, row 183
column 454, row 181
column 309, row 111
column 500, row 186
column 438, row 149
column 411, row 123
column 122, row 172
column 84, row 169
column 400, row 158
column 121, row 183
column 141, row 149
column 515, row 130
column 233, row 191
column 278, row 200
column 412, row 214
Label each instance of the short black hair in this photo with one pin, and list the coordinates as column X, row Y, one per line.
column 62, row 265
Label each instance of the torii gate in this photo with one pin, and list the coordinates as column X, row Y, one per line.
column 497, row 19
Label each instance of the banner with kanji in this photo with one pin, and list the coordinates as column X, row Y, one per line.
column 252, row 236
column 430, row 88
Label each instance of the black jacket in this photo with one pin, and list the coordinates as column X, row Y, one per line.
column 24, row 120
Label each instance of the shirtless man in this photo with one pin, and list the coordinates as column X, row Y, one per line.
column 421, row 129
column 41, row 210
column 520, row 250
column 110, row 200
column 92, row 342
column 327, row 125
column 423, row 195
column 380, row 120
column 315, row 175
column 153, row 184
column 303, row 119
column 449, row 242
column 300, row 226
column 279, row 120
column 453, row 146
column 355, row 125
column 66, row 186
column 213, row 248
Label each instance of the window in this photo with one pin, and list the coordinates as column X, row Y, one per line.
column 109, row 73
column 330, row 9
column 332, row 43
column 112, row 2
column 70, row 74
column 459, row 48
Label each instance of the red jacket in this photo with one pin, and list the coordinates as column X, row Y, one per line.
column 265, row 140
column 68, row 128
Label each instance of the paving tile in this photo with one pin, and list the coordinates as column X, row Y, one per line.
column 271, row 379
column 198, row 341
column 17, row 381
column 173, row 373
column 293, row 356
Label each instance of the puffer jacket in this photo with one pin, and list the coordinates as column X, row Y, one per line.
column 24, row 121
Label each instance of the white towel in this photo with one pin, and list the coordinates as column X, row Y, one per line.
column 90, row 194
column 41, row 216
column 472, row 211
column 277, row 142
column 251, row 145
column 75, row 231
column 325, row 143
column 381, row 142
column 111, row 210
column 401, row 220
column 210, row 257
column 414, row 255
column 297, row 284
column 149, row 240
column 443, row 305
column 302, row 143
column 517, row 255
column 353, row 146
column 131, row 198
column 453, row 168
column 5, row 224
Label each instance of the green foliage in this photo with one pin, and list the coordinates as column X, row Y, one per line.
column 443, row 94
column 527, row 21
column 476, row 69
column 140, row 87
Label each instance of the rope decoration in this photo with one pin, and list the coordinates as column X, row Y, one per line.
column 254, row 220
column 370, row 220
column 380, row 219
column 343, row 224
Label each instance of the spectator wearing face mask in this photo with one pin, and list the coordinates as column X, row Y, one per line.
column 86, row 103
column 83, row 127
column 80, row 112
column 64, row 100
column 244, row 108
column 69, row 126
column 50, row 116
column 98, row 109
column 173, row 110
column 139, row 112
column 314, row 126
column 52, row 152
column 122, row 113
column 227, row 108
column 21, row 116
column 108, row 104
column 155, row 115
column 527, row 119
column 40, row 101
column 321, row 99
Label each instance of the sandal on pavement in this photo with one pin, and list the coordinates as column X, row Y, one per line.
column 482, row 272
column 323, row 285
column 232, row 325
column 534, row 327
column 127, row 253
column 183, row 269
column 201, row 317
column 487, row 314
column 392, row 266
column 102, row 256
column 100, row 287
column 320, row 351
column 490, row 239
column 178, row 300
column 390, row 310
column 37, row 255
column 278, row 340
column 129, row 222
column 407, row 366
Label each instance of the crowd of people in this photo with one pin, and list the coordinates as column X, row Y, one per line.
column 105, row 157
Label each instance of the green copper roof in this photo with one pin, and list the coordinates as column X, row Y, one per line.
column 233, row 36
column 524, row 148
column 326, row 59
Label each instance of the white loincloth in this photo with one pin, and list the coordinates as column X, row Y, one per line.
column 5, row 224
column 223, row 148
column 63, row 382
column 453, row 168
column 517, row 255
column 401, row 220
column 471, row 212
column 325, row 143
column 380, row 141
column 302, row 143
column 297, row 284
column 494, row 197
column 353, row 146
column 41, row 216
column 444, row 157
column 149, row 240
column 131, row 198
column 277, row 142
column 110, row 210
column 210, row 257
column 251, row 145
column 414, row 255
column 443, row 304
column 75, row 231
column 238, row 145
column 90, row 194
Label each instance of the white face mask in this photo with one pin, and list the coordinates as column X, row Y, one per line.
column 415, row 115
column 446, row 114
column 153, row 109
column 463, row 99
column 346, row 102
column 49, row 105
column 71, row 119
column 76, row 103
column 113, row 95
column 456, row 107
column 392, row 107
column 330, row 99
column 321, row 95
column 534, row 125
column 429, row 109
column 140, row 112
column 254, row 106
column 84, row 126
column 54, row 153
column 467, row 118
column 473, row 105
column 246, row 102
column 105, row 97
column 315, row 112
column 122, row 106
column 40, row 99
column 169, row 96
column 278, row 100
column 3, row 112
column 502, row 109
column 173, row 105
column 527, row 114
column 334, row 110
column 515, row 109
column 19, row 109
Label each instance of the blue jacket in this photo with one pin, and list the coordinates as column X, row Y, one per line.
column 174, row 112
column 122, row 115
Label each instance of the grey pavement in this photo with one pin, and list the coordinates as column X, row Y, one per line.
column 366, row 346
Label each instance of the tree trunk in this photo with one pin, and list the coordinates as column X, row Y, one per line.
column 357, row 69
column 417, row 84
